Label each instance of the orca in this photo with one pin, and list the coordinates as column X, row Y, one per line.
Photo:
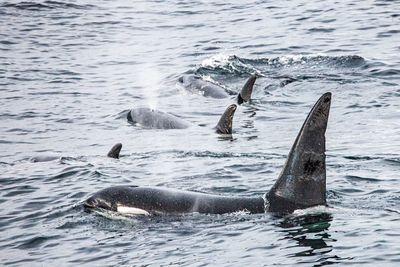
column 301, row 184
column 195, row 83
column 113, row 153
column 155, row 119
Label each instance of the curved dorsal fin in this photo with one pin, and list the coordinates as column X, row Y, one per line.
column 247, row 90
column 224, row 125
column 302, row 182
column 115, row 150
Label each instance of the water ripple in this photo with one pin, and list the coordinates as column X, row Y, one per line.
column 68, row 69
column 46, row 5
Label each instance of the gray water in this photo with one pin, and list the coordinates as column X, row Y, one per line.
column 70, row 70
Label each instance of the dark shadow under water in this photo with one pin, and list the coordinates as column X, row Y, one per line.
column 311, row 233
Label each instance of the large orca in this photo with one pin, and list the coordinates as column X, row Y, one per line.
column 154, row 119
column 301, row 184
column 195, row 83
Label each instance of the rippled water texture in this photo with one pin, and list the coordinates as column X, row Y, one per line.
column 70, row 70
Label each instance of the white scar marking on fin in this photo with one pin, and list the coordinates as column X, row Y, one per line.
column 131, row 210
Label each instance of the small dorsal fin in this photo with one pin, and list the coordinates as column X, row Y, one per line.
column 302, row 182
column 224, row 125
column 115, row 150
column 247, row 90
column 129, row 117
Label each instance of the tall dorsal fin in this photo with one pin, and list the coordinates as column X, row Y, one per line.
column 302, row 182
column 224, row 125
column 247, row 90
column 115, row 150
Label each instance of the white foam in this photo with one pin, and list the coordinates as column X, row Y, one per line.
column 300, row 58
column 216, row 60
column 312, row 210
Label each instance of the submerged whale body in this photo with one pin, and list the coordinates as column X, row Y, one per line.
column 301, row 184
column 196, row 84
column 113, row 153
column 154, row 119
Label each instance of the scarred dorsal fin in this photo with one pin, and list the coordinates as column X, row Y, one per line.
column 302, row 182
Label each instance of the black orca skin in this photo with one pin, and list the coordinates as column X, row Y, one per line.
column 301, row 184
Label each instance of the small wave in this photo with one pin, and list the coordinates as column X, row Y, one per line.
column 394, row 161
column 46, row 5
column 2, row 163
column 389, row 33
column 46, row 158
column 282, row 61
column 301, row 67
column 102, row 23
column 323, row 30
column 385, row 73
column 228, row 64
column 392, row 210
column 19, row 190
column 26, row 115
column 73, row 172
column 2, row 141
column 36, row 242
column 359, row 178
column 59, row 93
column 6, row 42
column 209, row 154
column 361, row 158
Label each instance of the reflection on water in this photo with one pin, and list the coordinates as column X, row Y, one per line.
column 310, row 234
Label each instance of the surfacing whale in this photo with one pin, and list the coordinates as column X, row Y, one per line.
column 154, row 119
column 113, row 153
column 195, row 83
column 301, row 184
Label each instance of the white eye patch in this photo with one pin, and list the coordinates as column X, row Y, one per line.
column 131, row 211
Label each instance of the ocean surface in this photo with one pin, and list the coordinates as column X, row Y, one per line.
column 70, row 70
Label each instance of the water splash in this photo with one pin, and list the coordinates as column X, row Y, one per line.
column 235, row 63
column 286, row 68
column 217, row 60
column 150, row 80
column 230, row 63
